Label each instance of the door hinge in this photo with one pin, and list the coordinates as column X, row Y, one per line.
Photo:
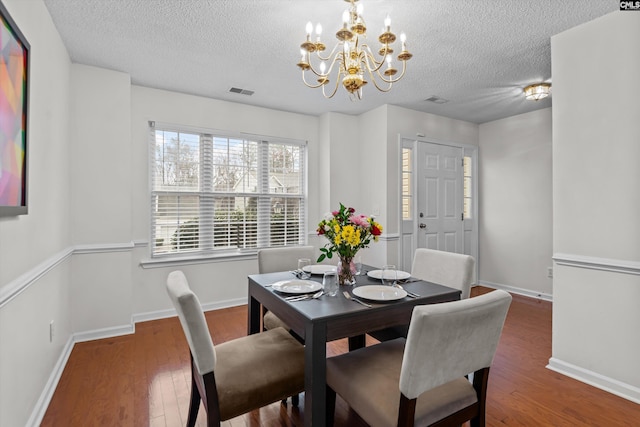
column 462, row 216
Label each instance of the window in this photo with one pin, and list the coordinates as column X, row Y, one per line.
column 214, row 193
column 467, row 192
column 407, row 189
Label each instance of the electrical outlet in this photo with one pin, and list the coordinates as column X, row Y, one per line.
column 51, row 331
column 550, row 272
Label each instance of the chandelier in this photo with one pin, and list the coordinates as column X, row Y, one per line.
column 351, row 62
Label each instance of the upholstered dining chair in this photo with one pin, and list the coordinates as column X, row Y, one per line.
column 237, row 376
column 272, row 260
column 422, row 380
column 444, row 268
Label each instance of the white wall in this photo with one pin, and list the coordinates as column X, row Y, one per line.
column 34, row 254
column 596, row 200
column 515, row 187
column 101, row 195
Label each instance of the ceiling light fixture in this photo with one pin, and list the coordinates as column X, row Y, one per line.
column 538, row 91
column 351, row 59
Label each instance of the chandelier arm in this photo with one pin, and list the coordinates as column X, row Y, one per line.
column 375, row 81
column 392, row 80
column 328, row 57
column 312, row 86
column 335, row 88
column 336, row 58
column 370, row 57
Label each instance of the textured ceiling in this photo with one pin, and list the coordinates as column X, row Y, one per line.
column 478, row 54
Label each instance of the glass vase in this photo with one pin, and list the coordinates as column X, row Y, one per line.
column 346, row 271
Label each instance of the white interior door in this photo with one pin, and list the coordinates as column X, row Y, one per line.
column 440, row 197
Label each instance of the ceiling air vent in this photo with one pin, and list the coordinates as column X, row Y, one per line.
column 241, row 91
column 437, row 100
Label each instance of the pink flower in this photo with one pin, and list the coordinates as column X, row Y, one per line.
column 335, row 213
column 359, row 220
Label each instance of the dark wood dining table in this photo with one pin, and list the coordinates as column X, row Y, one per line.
column 327, row 318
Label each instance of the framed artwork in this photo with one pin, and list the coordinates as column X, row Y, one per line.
column 14, row 85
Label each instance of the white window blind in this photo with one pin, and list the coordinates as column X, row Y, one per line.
column 214, row 193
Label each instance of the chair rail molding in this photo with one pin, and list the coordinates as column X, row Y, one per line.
column 22, row 282
column 597, row 263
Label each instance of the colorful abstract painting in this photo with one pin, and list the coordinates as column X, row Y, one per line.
column 13, row 114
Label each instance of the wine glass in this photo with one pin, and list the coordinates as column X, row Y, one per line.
column 330, row 283
column 303, row 268
column 389, row 275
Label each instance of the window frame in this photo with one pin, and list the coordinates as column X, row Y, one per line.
column 263, row 193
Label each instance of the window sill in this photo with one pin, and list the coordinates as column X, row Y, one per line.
column 172, row 261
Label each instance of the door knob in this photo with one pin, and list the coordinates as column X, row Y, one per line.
column 422, row 225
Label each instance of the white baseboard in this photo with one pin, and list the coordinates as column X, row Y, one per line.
column 525, row 292
column 98, row 334
column 602, row 382
column 50, row 387
column 163, row 314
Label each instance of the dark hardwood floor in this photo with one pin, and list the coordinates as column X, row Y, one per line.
column 143, row 379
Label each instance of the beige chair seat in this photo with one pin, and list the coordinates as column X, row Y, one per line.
column 368, row 379
column 278, row 360
column 271, row 321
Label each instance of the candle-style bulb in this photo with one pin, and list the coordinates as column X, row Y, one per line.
column 309, row 28
column 387, row 22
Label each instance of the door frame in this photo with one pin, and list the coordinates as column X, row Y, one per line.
column 409, row 228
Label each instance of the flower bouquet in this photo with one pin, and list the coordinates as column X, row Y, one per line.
column 347, row 234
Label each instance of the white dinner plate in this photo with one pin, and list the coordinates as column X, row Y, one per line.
column 319, row 268
column 379, row 293
column 377, row 274
column 297, row 286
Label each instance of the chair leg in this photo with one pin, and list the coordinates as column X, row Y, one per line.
column 194, row 404
column 331, row 406
column 406, row 412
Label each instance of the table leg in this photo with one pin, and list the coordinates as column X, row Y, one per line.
column 357, row 342
column 315, row 375
column 253, row 322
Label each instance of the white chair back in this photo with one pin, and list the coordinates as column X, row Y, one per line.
column 449, row 340
column 272, row 260
column 444, row 268
column 193, row 322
